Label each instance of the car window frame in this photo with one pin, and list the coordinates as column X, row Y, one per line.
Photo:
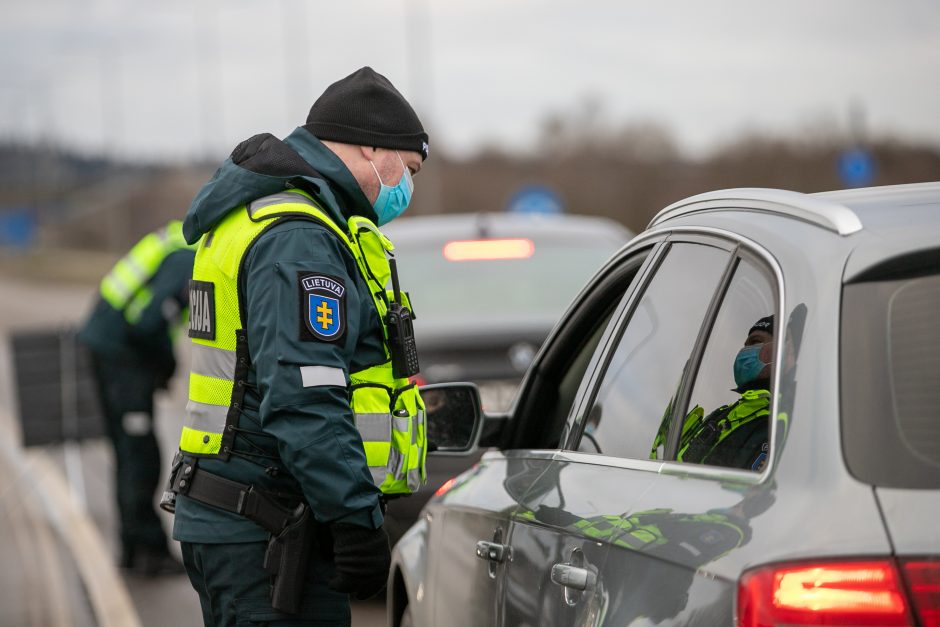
column 738, row 246
column 684, row 396
column 552, row 352
column 627, row 308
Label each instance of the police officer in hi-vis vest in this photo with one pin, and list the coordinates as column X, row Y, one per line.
column 130, row 334
column 301, row 416
column 735, row 435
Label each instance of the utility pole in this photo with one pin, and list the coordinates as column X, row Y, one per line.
column 297, row 74
column 418, row 55
column 208, row 72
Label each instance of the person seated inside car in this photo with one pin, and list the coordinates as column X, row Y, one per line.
column 735, row 435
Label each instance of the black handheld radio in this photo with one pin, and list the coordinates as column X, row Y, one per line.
column 401, row 334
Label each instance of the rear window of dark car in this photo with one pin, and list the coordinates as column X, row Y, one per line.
column 890, row 376
column 538, row 284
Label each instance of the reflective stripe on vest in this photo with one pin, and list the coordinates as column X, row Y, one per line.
column 388, row 412
column 125, row 286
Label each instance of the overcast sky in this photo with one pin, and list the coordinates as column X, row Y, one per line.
column 177, row 78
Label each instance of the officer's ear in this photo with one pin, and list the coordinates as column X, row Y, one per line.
column 368, row 152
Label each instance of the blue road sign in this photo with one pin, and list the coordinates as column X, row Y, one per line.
column 856, row 167
column 535, row 199
column 17, row 227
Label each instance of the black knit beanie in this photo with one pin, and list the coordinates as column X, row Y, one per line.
column 764, row 324
column 365, row 109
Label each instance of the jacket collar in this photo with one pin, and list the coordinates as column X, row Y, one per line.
column 352, row 201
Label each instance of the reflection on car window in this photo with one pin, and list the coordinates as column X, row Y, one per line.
column 646, row 367
column 728, row 424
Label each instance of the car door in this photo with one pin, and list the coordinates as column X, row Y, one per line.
column 674, row 559
column 472, row 515
column 469, row 523
column 560, row 539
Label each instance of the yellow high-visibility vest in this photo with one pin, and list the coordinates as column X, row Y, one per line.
column 125, row 287
column 388, row 412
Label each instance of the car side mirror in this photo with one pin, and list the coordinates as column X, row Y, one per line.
column 454, row 416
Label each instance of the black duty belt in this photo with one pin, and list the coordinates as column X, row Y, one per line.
column 243, row 499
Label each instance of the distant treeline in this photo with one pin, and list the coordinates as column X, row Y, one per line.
column 630, row 175
column 627, row 174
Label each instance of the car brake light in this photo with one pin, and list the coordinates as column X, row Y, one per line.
column 445, row 487
column 488, row 249
column 923, row 582
column 823, row 593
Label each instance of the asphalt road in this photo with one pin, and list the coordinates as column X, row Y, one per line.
column 83, row 474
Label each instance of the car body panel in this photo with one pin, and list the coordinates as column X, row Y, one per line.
column 407, row 574
column 912, row 519
column 561, row 523
column 458, row 520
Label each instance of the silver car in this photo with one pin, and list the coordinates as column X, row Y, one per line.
column 735, row 423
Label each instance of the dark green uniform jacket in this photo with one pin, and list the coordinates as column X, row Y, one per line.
column 307, row 443
column 149, row 341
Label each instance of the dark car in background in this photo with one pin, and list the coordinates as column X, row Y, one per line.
column 488, row 288
column 585, row 510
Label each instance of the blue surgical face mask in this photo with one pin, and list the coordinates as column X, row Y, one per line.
column 392, row 201
column 747, row 365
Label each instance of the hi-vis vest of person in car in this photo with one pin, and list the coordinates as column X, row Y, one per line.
column 125, row 286
column 702, row 436
column 388, row 412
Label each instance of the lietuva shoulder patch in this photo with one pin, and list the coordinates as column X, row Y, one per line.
column 322, row 307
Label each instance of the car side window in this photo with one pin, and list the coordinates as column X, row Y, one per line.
column 640, row 382
column 563, row 366
column 728, row 420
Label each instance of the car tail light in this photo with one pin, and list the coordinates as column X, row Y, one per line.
column 488, row 249
column 418, row 380
column 923, row 582
column 824, row 593
column 447, row 485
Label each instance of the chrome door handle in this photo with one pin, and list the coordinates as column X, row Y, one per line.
column 573, row 577
column 492, row 551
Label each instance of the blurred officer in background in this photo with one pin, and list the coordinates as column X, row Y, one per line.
column 130, row 334
column 301, row 414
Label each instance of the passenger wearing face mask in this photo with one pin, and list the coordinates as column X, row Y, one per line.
column 737, row 435
column 301, row 416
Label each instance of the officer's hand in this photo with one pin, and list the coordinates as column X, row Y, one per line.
column 362, row 559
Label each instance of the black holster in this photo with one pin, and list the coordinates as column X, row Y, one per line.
column 292, row 528
column 286, row 560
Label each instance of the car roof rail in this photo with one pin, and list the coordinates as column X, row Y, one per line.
column 825, row 213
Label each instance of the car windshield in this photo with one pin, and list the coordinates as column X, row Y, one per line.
column 534, row 281
column 891, row 381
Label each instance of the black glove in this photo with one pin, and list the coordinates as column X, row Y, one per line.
column 362, row 559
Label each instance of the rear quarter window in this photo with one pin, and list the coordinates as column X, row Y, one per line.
column 890, row 345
